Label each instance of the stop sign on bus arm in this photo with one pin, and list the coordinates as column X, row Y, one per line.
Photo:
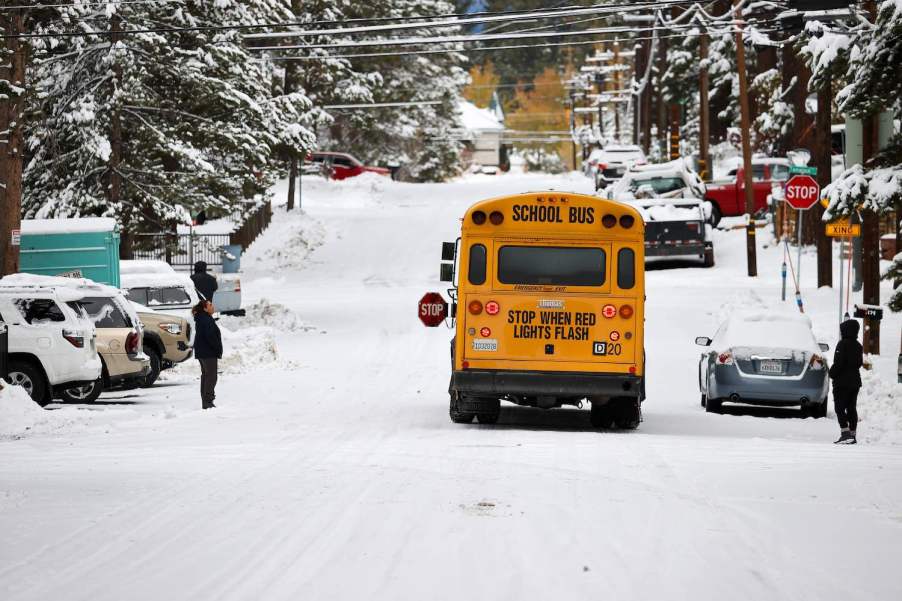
column 432, row 309
column 802, row 192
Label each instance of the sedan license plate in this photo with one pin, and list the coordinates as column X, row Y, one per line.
column 770, row 367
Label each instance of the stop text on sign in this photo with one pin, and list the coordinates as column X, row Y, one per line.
column 432, row 309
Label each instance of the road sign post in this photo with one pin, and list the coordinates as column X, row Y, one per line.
column 801, row 192
column 432, row 309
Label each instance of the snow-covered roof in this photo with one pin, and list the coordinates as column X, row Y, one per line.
column 155, row 280
column 130, row 266
column 768, row 330
column 76, row 225
column 82, row 286
column 477, row 119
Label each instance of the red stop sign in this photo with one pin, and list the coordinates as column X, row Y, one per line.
column 432, row 309
column 802, row 192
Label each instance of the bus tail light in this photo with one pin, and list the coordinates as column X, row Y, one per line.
column 475, row 307
column 492, row 308
column 609, row 311
column 496, row 217
column 725, row 358
column 626, row 311
column 627, row 221
column 633, row 369
column 609, row 221
column 478, row 217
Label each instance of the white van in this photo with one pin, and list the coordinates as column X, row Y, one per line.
column 52, row 344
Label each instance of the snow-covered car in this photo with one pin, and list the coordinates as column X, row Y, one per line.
column 167, row 340
column 607, row 165
column 674, row 179
column 764, row 359
column 677, row 227
column 158, row 286
column 52, row 344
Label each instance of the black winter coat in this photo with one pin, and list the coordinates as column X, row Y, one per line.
column 204, row 282
column 847, row 359
column 207, row 339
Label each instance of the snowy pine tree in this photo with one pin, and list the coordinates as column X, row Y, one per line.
column 151, row 127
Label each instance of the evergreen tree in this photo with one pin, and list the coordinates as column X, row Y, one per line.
column 151, row 127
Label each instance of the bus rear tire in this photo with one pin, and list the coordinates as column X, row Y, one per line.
column 457, row 415
column 627, row 414
column 601, row 416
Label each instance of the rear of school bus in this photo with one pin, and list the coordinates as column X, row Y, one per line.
column 550, row 308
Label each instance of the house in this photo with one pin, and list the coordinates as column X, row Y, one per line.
column 483, row 135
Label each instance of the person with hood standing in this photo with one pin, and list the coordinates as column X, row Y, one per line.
column 847, row 360
column 204, row 282
column 207, row 350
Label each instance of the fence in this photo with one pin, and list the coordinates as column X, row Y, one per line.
column 183, row 250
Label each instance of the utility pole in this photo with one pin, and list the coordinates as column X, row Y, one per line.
column 12, row 136
column 704, row 134
column 675, row 111
column 616, row 60
column 114, row 185
column 751, row 251
column 870, row 228
column 822, row 161
column 291, row 85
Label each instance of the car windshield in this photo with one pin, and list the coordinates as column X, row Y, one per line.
column 660, row 185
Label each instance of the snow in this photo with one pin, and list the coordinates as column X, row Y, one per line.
column 133, row 266
column 767, row 330
column 79, row 225
column 154, row 280
column 18, row 413
column 330, row 469
column 80, row 287
column 476, row 119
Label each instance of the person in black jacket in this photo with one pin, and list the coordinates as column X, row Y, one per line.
column 847, row 360
column 207, row 350
column 204, row 283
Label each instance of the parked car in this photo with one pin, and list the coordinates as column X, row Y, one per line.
column 52, row 344
column 727, row 197
column 764, row 359
column 662, row 180
column 605, row 166
column 167, row 340
column 158, row 286
column 339, row 165
column 119, row 341
column 677, row 227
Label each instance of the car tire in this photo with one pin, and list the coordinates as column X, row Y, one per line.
column 83, row 394
column 713, row 405
column 704, row 401
column 156, row 365
column 716, row 215
column 820, row 410
column 29, row 377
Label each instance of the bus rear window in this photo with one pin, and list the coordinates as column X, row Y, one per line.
column 547, row 265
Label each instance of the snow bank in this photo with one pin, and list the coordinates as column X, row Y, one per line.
column 78, row 225
column 880, row 404
column 266, row 314
column 292, row 237
column 18, row 413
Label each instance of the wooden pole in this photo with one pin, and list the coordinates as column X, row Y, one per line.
column 12, row 115
column 751, row 251
column 823, row 161
column 704, row 132
column 870, row 228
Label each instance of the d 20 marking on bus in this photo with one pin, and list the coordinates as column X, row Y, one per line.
column 485, row 344
column 604, row 348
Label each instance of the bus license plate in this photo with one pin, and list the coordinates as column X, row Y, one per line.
column 770, row 367
column 485, row 344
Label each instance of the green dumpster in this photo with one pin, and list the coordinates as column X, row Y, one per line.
column 80, row 247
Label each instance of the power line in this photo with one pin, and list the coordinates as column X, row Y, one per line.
column 80, row 4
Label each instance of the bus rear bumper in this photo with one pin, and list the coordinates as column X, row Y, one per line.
column 545, row 383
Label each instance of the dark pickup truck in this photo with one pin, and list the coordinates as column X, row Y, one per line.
column 676, row 227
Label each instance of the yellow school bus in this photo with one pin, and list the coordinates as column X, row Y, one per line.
column 550, row 293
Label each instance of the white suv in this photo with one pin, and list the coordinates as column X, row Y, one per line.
column 51, row 343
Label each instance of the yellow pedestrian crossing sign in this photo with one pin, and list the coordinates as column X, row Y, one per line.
column 843, row 229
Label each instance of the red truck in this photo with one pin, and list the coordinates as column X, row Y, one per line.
column 339, row 165
column 728, row 197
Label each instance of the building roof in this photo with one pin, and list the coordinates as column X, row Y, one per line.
column 476, row 119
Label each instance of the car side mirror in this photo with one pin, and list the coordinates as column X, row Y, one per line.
column 449, row 249
column 823, row 346
column 446, row 272
column 703, row 341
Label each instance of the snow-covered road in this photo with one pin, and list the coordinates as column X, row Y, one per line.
column 330, row 469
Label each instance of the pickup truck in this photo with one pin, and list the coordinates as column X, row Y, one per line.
column 727, row 197
column 677, row 227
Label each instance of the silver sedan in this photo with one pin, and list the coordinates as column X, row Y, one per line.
column 764, row 359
